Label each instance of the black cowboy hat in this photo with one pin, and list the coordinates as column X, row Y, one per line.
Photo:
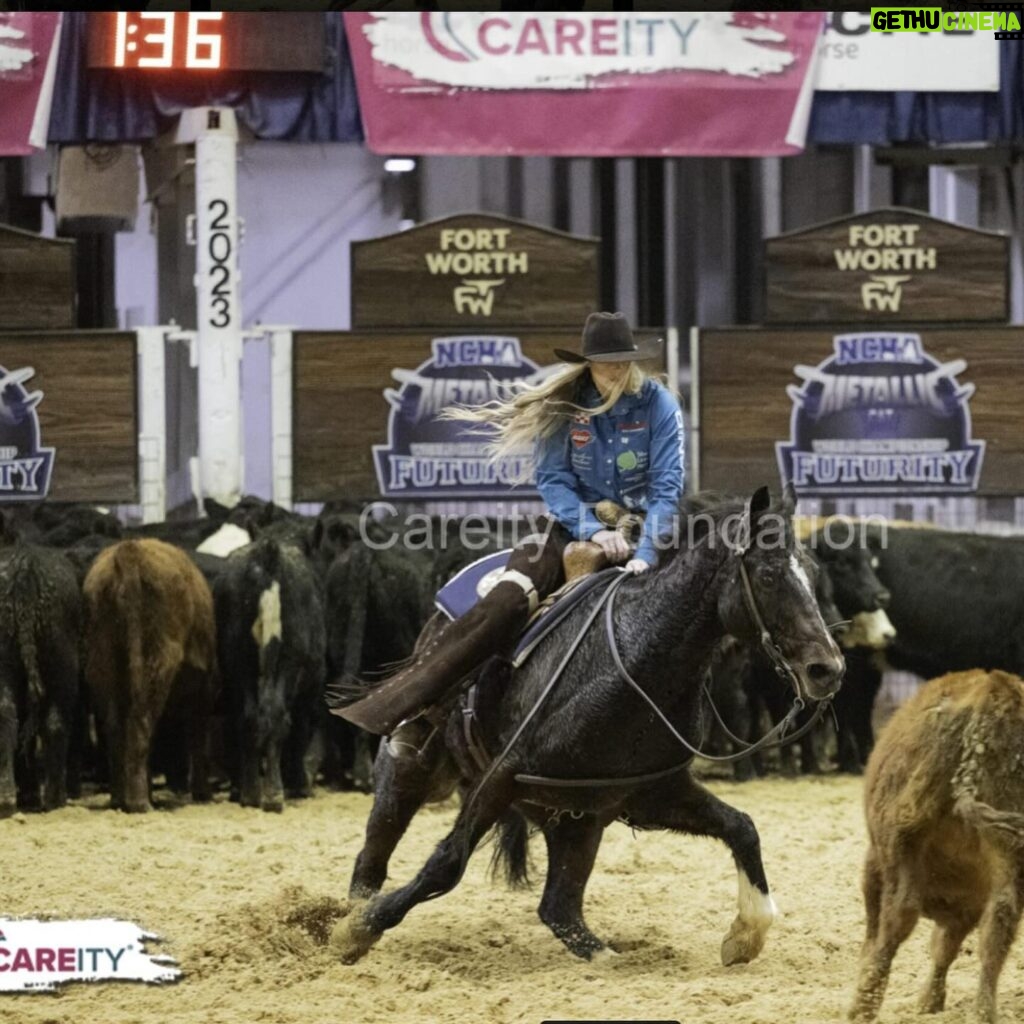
column 607, row 338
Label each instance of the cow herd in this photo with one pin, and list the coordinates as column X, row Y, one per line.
column 199, row 650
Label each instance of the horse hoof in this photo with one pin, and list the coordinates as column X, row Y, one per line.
column 742, row 944
column 352, row 937
column 605, row 955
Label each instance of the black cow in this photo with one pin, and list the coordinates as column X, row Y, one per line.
column 862, row 599
column 380, row 593
column 58, row 524
column 40, row 636
column 271, row 646
column 957, row 599
column 956, row 602
column 377, row 601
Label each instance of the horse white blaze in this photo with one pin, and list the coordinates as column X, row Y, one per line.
column 800, row 574
column 757, row 909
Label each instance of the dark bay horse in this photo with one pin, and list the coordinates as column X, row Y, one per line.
column 594, row 727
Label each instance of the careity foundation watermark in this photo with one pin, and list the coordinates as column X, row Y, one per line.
column 384, row 526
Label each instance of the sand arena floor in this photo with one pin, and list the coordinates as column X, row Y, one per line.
column 243, row 900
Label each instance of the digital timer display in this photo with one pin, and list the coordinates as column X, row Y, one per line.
column 147, row 40
column 208, row 41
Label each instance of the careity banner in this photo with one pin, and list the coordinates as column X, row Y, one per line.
column 28, row 63
column 688, row 83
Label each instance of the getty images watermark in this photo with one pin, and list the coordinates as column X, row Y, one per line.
column 382, row 526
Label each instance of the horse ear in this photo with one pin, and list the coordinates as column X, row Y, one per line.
column 759, row 502
column 789, row 499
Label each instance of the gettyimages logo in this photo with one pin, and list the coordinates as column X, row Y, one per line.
column 37, row 956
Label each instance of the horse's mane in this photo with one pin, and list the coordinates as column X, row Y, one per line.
column 704, row 505
column 715, row 503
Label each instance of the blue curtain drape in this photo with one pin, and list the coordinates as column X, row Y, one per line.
column 132, row 106
column 884, row 118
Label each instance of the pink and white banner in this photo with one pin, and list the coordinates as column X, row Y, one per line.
column 28, row 62
column 687, row 83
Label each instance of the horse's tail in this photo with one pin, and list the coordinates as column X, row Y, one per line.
column 348, row 687
column 512, row 853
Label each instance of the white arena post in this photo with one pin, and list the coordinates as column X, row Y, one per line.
column 152, row 423
column 281, row 414
column 218, row 312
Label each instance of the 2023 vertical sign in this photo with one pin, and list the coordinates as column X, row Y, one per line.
column 219, row 251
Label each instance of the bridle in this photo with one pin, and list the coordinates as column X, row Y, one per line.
column 779, row 735
column 771, row 649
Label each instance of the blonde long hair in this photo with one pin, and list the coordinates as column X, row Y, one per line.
column 535, row 411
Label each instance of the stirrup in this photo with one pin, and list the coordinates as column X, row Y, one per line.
column 415, row 753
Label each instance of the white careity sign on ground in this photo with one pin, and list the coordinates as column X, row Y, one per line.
column 852, row 57
column 37, row 956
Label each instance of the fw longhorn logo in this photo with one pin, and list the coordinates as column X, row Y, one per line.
column 476, row 297
column 883, row 292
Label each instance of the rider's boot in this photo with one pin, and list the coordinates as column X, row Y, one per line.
column 464, row 644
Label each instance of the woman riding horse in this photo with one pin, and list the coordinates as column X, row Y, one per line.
column 599, row 725
column 603, row 431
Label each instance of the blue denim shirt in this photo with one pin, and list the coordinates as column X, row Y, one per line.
column 631, row 454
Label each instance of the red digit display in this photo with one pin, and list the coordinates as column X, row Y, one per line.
column 145, row 39
column 207, row 41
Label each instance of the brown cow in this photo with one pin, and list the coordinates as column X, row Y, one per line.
column 150, row 651
column 944, row 797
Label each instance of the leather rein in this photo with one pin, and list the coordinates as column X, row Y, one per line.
column 777, row 736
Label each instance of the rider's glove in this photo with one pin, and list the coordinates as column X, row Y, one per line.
column 613, row 544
